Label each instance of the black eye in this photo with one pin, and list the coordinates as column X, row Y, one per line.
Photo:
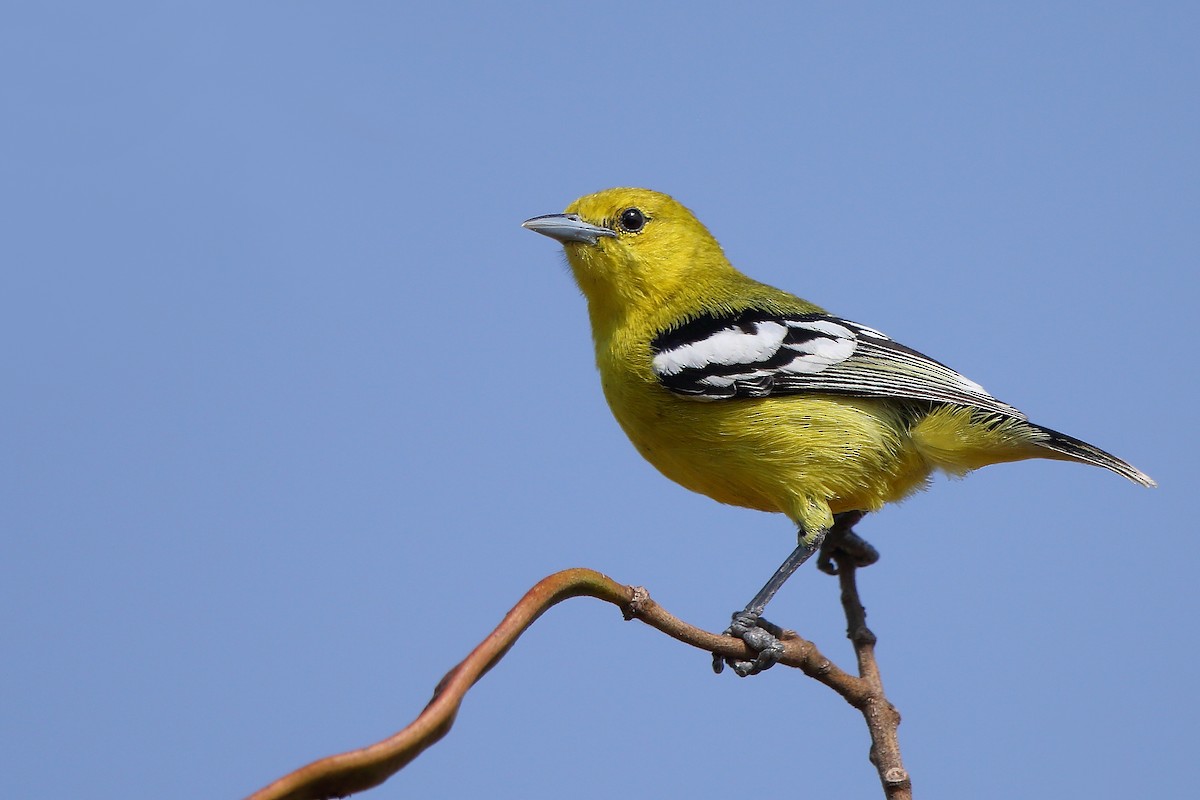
column 632, row 220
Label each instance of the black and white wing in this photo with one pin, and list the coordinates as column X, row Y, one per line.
column 755, row 353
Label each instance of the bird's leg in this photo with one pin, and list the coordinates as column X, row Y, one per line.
column 839, row 545
column 844, row 546
column 748, row 624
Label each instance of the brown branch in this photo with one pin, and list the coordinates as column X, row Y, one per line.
column 357, row 770
column 881, row 716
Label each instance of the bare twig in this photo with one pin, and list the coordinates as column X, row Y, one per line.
column 881, row 716
column 357, row 770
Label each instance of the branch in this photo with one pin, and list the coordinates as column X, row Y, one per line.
column 357, row 770
column 881, row 716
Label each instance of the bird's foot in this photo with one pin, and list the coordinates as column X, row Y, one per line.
column 764, row 638
column 844, row 547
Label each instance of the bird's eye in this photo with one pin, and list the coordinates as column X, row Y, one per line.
column 632, row 220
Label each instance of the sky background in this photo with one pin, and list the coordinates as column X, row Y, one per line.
column 293, row 410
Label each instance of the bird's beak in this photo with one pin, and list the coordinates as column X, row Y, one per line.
column 567, row 228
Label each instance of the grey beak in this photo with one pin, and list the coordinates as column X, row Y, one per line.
column 567, row 228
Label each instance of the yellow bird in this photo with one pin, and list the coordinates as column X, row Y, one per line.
column 756, row 398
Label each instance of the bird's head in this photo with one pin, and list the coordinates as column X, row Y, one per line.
column 633, row 248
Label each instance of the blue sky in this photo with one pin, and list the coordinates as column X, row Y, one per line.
column 294, row 410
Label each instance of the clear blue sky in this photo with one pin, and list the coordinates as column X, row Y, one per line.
column 293, row 409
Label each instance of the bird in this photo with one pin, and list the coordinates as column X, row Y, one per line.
column 756, row 398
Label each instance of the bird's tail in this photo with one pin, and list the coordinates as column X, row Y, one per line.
column 1074, row 449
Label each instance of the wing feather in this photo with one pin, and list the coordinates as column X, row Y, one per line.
column 756, row 353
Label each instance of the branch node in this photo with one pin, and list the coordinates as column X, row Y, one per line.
column 637, row 603
column 896, row 777
column 861, row 635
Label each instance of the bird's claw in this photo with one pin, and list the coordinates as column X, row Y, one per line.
column 845, row 547
column 759, row 635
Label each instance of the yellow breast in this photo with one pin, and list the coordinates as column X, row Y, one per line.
column 805, row 456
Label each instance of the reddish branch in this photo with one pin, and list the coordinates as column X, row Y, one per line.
column 357, row 770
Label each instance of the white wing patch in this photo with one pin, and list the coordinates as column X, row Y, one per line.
column 820, row 352
column 728, row 346
column 755, row 353
column 748, row 356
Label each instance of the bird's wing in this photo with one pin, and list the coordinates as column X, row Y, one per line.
column 756, row 353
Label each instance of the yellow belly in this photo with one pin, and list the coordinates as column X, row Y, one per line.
column 806, row 456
